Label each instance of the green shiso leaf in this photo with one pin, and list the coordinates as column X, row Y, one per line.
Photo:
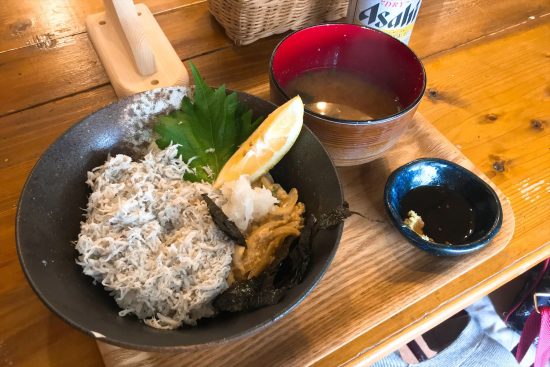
column 209, row 129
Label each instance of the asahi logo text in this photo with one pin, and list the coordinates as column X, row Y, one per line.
column 385, row 19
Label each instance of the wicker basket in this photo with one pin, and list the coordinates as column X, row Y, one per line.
column 245, row 21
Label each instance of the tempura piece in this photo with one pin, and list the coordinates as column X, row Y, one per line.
column 416, row 224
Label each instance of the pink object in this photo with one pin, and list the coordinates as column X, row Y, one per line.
column 536, row 324
column 543, row 348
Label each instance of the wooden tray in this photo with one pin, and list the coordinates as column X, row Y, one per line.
column 374, row 275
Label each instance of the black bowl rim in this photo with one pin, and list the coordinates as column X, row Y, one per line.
column 390, row 118
column 123, row 344
column 433, row 247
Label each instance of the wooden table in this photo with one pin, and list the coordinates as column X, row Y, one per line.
column 488, row 66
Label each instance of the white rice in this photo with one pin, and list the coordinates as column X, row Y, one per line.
column 150, row 241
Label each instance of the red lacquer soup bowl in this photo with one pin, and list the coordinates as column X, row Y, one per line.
column 364, row 52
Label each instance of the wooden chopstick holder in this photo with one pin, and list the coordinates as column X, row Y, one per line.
column 134, row 50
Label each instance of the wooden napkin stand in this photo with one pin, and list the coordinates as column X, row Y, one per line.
column 134, row 50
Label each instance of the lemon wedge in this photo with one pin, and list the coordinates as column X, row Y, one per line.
column 267, row 145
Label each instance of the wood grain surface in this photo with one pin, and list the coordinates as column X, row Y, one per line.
column 444, row 25
column 67, row 65
column 484, row 59
column 372, row 261
column 29, row 22
column 492, row 101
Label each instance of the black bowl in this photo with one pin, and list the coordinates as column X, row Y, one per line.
column 50, row 211
column 439, row 172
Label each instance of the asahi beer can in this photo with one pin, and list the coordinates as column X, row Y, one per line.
column 395, row 17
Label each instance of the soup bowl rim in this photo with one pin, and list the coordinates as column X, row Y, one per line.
column 410, row 107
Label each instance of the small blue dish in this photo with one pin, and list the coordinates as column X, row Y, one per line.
column 484, row 202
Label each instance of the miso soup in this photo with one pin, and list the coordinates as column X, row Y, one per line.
column 343, row 95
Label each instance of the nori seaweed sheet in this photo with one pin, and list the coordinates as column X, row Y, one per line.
column 248, row 295
column 288, row 269
column 222, row 221
column 335, row 216
column 293, row 266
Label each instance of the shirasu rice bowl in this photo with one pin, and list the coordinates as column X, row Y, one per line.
column 149, row 240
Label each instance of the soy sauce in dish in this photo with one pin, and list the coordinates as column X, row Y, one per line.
column 448, row 217
column 344, row 95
